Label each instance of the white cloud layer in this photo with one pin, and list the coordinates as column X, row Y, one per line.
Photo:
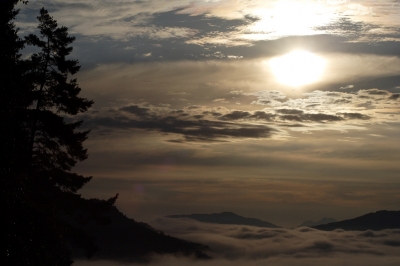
column 246, row 245
column 122, row 20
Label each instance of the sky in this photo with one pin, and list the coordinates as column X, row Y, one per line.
column 280, row 110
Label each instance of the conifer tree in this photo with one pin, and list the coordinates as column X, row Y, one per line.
column 43, row 207
column 14, row 100
column 54, row 145
column 13, row 92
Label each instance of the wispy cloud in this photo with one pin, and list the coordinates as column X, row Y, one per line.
column 259, row 20
column 329, row 105
column 203, row 123
column 189, row 123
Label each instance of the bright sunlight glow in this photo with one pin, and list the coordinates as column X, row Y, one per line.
column 290, row 17
column 297, row 68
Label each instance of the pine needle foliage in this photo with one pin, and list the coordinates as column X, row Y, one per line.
column 42, row 144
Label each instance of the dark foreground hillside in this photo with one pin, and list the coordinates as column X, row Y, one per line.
column 379, row 220
column 124, row 239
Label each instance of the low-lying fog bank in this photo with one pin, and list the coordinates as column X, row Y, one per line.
column 247, row 245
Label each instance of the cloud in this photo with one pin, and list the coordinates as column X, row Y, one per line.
column 346, row 87
column 188, row 123
column 224, row 22
column 332, row 109
column 320, row 106
column 239, row 242
column 328, row 105
column 290, row 111
column 373, row 92
column 247, row 245
column 220, row 100
column 235, row 115
column 136, row 110
column 356, row 30
column 394, row 96
column 121, row 20
column 271, row 98
column 355, row 116
column 202, row 123
column 164, row 31
column 178, row 93
column 282, row 115
column 312, row 117
column 188, row 103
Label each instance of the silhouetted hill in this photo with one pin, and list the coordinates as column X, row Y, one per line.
column 322, row 221
column 379, row 220
column 226, row 218
column 124, row 239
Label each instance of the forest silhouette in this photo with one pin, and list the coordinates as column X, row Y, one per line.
column 47, row 220
column 40, row 147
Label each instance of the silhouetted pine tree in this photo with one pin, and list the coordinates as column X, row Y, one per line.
column 14, row 101
column 42, row 204
column 54, row 145
column 14, row 93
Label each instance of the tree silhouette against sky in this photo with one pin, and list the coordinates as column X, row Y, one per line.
column 43, row 208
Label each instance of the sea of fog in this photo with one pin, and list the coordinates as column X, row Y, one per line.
column 253, row 246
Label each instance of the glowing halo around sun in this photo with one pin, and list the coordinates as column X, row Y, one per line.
column 297, row 68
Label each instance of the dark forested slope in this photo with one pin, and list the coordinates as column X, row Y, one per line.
column 124, row 239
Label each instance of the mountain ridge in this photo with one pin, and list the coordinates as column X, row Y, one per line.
column 226, row 218
column 376, row 221
column 125, row 239
column 324, row 220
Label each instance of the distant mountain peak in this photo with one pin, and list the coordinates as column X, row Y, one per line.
column 226, row 218
column 324, row 220
column 230, row 213
column 226, row 214
column 379, row 220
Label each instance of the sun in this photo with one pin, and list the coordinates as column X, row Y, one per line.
column 297, row 68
